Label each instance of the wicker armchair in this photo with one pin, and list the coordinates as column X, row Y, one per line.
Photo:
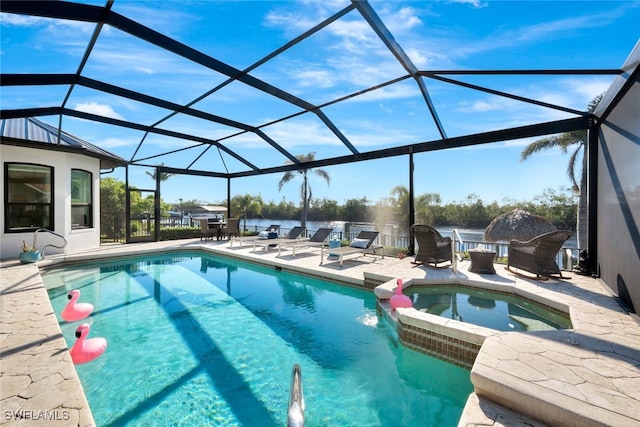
column 432, row 247
column 232, row 229
column 205, row 231
column 538, row 255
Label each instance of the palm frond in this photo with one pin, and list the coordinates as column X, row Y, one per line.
column 309, row 157
column 594, row 102
column 539, row 145
column 323, row 174
column 288, row 176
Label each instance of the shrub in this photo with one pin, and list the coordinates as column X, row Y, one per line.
column 175, row 233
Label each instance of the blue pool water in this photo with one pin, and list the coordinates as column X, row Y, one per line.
column 196, row 340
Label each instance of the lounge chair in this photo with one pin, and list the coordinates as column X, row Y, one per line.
column 538, row 255
column 272, row 228
column 291, row 236
column 432, row 247
column 362, row 244
column 319, row 239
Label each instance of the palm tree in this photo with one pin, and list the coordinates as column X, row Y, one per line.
column 400, row 197
column 163, row 175
column 305, row 189
column 564, row 141
column 244, row 204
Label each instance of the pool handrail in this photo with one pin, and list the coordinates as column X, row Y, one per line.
column 295, row 413
column 35, row 237
column 454, row 258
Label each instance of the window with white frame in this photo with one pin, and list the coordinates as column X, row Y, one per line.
column 28, row 203
column 81, row 199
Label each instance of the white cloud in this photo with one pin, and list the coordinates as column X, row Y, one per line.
column 374, row 134
column 22, row 20
column 159, row 15
column 315, row 78
column 356, row 33
column 486, row 105
column 475, row 3
column 291, row 135
column 113, row 142
column 53, row 25
column 540, row 32
column 397, row 91
column 99, row 109
column 145, row 70
column 403, row 20
column 289, row 22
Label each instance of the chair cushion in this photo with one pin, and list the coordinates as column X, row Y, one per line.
column 360, row 243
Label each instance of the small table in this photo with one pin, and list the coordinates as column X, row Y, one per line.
column 482, row 262
column 333, row 244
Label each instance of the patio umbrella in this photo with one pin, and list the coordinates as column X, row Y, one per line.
column 517, row 225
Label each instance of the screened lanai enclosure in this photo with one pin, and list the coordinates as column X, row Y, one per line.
column 232, row 120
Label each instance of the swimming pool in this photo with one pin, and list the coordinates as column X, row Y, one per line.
column 481, row 307
column 197, row 339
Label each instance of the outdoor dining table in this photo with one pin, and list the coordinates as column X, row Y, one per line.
column 218, row 226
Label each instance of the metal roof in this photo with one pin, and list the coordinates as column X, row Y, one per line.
column 219, row 156
column 35, row 133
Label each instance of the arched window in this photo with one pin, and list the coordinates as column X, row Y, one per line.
column 28, row 200
column 81, row 199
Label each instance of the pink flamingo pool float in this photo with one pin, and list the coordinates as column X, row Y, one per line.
column 399, row 300
column 85, row 350
column 75, row 310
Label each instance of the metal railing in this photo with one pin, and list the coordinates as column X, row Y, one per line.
column 457, row 246
column 566, row 257
column 35, row 238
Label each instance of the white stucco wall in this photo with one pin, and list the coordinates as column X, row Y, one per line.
column 618, row 212
column 77, row 240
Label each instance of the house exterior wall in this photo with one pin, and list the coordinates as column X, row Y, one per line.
column 62, row 162
column 618, row 191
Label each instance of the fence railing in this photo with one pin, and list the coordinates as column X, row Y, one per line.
column 566, row 258
column 112, row 230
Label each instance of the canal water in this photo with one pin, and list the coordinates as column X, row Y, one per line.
column 466, row 234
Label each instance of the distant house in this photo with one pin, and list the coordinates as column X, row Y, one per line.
column 49, row 180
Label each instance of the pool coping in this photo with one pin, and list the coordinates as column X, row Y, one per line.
column 543, row 375
column 539, row 391
column 40, row 385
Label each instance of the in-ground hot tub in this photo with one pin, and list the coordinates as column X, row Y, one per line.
column 438, row 324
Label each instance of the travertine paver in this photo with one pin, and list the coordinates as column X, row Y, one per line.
column 583, row 377
column 586, row 376
column 38, row 384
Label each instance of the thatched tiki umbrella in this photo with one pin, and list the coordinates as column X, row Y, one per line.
column 517, row 225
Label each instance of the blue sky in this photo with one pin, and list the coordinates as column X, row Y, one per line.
column 341, row 59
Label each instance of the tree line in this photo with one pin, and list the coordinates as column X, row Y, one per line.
column 558, row 206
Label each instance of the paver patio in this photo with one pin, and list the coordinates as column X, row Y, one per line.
column 589, row 375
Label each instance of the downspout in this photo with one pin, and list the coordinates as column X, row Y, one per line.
column 156, row 208
column 412, row 212
column 127, row 208
column 228, row 198
column 592, row 195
